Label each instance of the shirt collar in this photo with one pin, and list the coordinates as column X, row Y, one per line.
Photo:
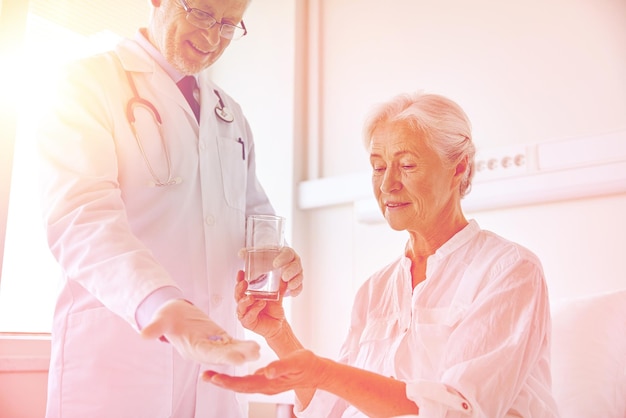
column 458, row 240
column 144, row 43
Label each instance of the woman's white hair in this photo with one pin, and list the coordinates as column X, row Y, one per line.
column 439, row 120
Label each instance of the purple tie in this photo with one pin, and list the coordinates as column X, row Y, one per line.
column 187, row 85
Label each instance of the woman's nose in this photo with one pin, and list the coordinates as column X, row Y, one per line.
column 390, row 182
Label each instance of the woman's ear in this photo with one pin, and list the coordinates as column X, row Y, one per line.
column 461, row 167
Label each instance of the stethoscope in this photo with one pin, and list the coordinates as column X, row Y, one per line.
column 220, row 110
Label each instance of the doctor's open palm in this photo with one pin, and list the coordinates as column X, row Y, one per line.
column 196, row 337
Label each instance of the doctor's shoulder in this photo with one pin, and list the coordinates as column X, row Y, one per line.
column 94, row 82
column 98, row 67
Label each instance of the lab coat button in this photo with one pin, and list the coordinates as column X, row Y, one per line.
column 216, row 300
column 210, row 220
column 202, row 146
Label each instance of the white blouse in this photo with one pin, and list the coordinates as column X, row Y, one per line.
column 472, row 340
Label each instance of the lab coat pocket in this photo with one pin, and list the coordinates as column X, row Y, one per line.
column 127, row 375
column 233, row 163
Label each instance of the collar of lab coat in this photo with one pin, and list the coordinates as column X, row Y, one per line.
column 135, row 59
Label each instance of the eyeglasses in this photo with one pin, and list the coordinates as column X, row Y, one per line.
column 203, row 20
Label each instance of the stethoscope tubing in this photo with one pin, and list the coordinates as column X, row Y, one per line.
column 132, row 104
column 137, row 101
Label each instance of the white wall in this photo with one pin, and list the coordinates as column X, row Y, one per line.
column 258, row 71
column 525, row 73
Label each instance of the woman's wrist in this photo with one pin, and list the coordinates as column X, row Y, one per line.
column 283, row 341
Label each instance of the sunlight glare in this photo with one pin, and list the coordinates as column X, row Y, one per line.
column 30, row 275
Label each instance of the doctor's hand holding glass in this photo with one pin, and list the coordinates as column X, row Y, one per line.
column 148, row 172
column 457, row 326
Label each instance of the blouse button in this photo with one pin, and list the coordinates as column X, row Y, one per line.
column 465, row 405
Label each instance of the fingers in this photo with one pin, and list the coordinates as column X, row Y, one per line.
column 254, row 383
column 221, row 355
column 165, row 317
column 277, row 369
column 285, row 256
column 249, row 309
column 241, row 276
column 243, row 301
column 249, row 349
column 152, row 331
column 278, row 376
column 249, row 384
column 235, row 352
column 208, row 374
column 294, row 286
column 241, row 286
column 292, row 272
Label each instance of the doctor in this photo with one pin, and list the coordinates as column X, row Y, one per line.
column 145, row 203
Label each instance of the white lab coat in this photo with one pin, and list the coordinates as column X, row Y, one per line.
column 118, row 238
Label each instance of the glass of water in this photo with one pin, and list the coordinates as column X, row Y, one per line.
column 265, row 236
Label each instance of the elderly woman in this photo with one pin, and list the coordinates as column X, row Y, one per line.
column 457, row 326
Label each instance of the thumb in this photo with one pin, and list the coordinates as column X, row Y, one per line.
column 270, row 372
column 164, row 318
column 152, row 330
column 275, row 369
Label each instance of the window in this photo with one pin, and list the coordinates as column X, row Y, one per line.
column 54, row 32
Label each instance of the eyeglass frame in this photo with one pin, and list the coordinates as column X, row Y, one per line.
column 190, row 11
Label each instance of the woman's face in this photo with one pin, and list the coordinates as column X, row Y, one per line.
column 414, row 189
column 188, row 48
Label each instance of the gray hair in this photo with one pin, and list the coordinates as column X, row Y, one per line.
column 441, row 121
